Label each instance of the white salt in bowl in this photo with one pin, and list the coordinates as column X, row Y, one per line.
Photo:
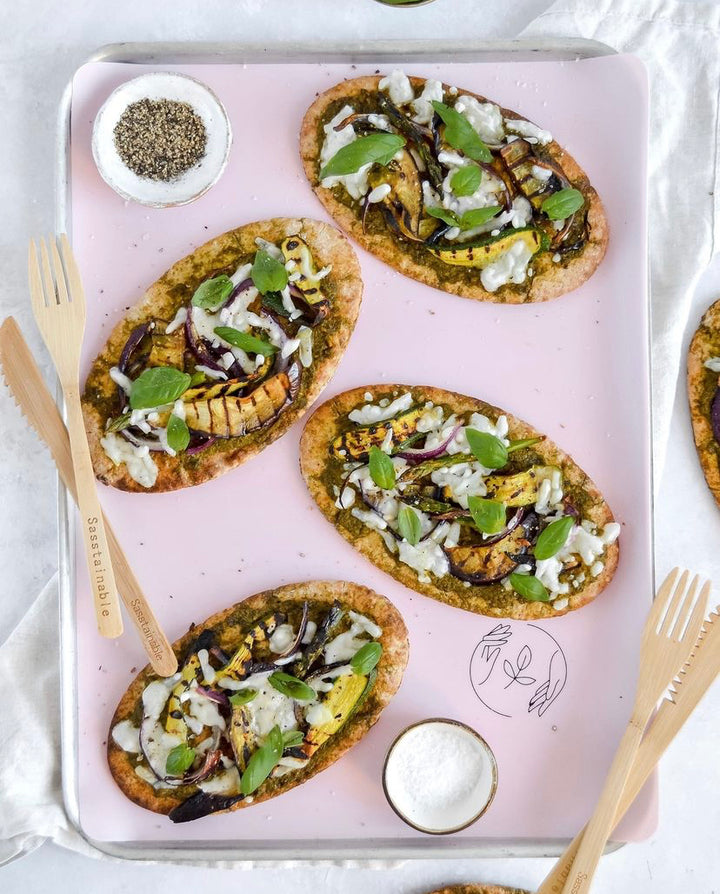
column 440, row 776
column 194, row 182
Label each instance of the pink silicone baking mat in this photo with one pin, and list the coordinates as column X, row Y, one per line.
column 576, row 368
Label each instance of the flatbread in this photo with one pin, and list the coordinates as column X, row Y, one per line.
column 228, row 625
column 701, row 383
column 325, row 425
column 479, row 889
column 224, row 254
column 550, row 279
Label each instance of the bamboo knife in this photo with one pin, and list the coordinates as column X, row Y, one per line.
column 32, row 396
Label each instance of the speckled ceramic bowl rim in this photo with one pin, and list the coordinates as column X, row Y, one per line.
column 171, row 203
column 405, row 5
column 472, row 732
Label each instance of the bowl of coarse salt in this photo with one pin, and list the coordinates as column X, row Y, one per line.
column 440, row 776
column 162, row 139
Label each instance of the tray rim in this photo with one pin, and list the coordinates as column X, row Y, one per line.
column 371, row 852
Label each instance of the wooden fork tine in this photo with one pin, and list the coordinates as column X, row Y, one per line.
column 666, row 614
column 678, row 623
column 49, row 285
column 694, row 615
column 73, row 274
column 62, row 291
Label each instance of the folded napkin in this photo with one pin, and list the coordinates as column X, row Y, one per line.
column 679, row 45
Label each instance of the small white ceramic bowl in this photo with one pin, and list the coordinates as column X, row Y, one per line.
column 456, row 741
column 194, row 182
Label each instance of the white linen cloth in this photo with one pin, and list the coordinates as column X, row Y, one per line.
column 679, row 44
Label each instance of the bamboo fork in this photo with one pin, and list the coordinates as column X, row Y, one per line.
column 691, row 684
column 35, row 401
column 58, row 303
column 669, row 636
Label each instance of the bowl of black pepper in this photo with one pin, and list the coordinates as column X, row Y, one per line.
column 161, row 139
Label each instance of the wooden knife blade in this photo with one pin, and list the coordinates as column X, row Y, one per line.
column 25, row 382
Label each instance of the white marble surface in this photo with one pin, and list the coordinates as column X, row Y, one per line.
column 41, row 44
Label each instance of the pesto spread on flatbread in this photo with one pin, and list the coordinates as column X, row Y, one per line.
column 222, row 354
column 704, row 395
column 460, row 500
column 453, row 190
column 268, row 693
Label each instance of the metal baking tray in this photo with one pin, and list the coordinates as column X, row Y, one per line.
column 345, row 849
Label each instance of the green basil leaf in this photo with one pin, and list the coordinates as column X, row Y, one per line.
column 521, row 443
column 262, row 762
column 461, row 134
column 273, row 301
column 478, row 216
column 409, row 524
column 243, row 697
column 563, row 203
column 366, row 658
column 466, row 180
column 378, row 148
column 213, row 292
column 119, row 423
column 245, row 341
column 179, row 760
column 178, row 434
column 449, row 217
column 529, row 587
column 158, row 386
column 487, row 449
column 197, row 378
column 489, row 516
column 268, row 274
column 553, row 538
column 292, row 738
column 382, row 470
column 291, row 686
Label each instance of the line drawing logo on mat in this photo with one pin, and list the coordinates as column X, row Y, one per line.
column 520, row 671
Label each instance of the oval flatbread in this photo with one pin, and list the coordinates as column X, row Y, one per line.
column 479, row 889
column 237, row 399
column 702, row 384
column 238, row 642
column 385, row 207
column 437, row 548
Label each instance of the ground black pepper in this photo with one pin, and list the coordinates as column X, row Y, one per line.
column 160, row 139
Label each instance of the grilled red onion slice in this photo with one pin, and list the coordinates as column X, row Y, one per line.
column 141, row 440
column 238, row 290
column 715, row 415
column 300, row 634
column 214, row 695
column 200, row 445
column 421, row 454
column 131, row 345
column 198, row 346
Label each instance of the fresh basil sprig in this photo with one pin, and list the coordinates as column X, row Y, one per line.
column 487, row 449
column 292, row 738
column 262, row 762
column 273, row 301
column 554, row 537
column 375, row 148
column 268, row 274
column 563, row 203
column 366, row 658
column 243, row 697
column 178, row 434
column 382, row 470
column 213, row 292
column 488, row 515
column 473, row 218
column 529, row 587
column 461, row 134
column 245, row 341
column 158, row 386
column 409, row 525
column 466, row 180
column 291, row 686
column 179, row 760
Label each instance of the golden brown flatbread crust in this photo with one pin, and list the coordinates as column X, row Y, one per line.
column 701, row 383
column 325, row 425
column 228, row 625
column 550, row 280
column 479, row 889
column 175, row 288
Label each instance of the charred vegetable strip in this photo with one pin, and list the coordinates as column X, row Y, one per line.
column 240, row 661
column 481, row 254
column 520, row 489
column 341, row 701
column 356, row 443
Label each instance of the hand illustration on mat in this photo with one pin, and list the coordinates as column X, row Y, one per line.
column 507, row 664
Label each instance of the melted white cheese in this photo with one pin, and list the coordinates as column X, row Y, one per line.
column 485, row 118
column 177, row 321
column 140, row 465
column 511, row 266
column 712, row 363
column 531, row 132
column 226, row 782
column 121, row 380
column 422, row 106
column 282, row 638
column 424, row 558
column 127, row 736
column 398, row 87
column 370, row 413
column 356, row 184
